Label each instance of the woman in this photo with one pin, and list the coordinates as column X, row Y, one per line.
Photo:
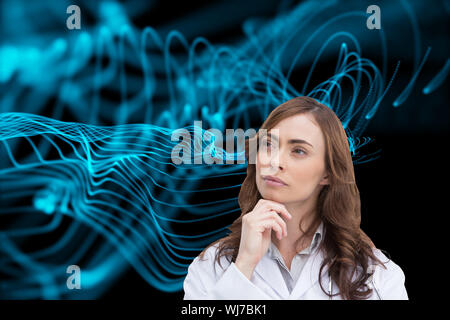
column 303, row 189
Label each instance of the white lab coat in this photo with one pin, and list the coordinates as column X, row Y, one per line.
column 206, row 280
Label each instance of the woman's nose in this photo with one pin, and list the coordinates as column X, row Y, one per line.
column 277, row 160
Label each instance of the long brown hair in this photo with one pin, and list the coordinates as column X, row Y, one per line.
column 346, row 247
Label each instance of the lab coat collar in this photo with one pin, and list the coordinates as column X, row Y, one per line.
column 318, row 235
column 310, row 275
column 268, row 269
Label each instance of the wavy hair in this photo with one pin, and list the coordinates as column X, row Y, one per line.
column 345, row 246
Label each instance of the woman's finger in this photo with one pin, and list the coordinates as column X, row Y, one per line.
column 272, row 224
column 279, row 208
column 272, row 214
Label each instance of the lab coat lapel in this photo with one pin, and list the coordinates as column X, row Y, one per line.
column 268, row 270
column 310, row 275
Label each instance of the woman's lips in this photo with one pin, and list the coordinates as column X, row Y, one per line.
column 272, row 182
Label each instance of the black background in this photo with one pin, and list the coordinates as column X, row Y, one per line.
column 403, row 193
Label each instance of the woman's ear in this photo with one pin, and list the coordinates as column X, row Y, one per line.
column 324, row 180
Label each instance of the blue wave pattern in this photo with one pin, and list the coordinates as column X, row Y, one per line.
column 103, row 187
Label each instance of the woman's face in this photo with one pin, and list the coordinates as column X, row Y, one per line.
column 301, row 166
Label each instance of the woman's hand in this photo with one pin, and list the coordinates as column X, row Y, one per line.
column 256, row 231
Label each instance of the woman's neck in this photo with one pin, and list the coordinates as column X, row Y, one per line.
column 291, row 244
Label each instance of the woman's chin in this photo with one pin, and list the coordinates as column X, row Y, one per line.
column 273, row 195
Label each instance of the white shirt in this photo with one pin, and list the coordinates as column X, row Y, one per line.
column 207, row 280
column 298, row 262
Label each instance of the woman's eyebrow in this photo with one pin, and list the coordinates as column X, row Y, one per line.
column 299, row 141
column 291, row 141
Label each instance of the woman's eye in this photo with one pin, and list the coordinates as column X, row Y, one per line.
column 299, row 150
